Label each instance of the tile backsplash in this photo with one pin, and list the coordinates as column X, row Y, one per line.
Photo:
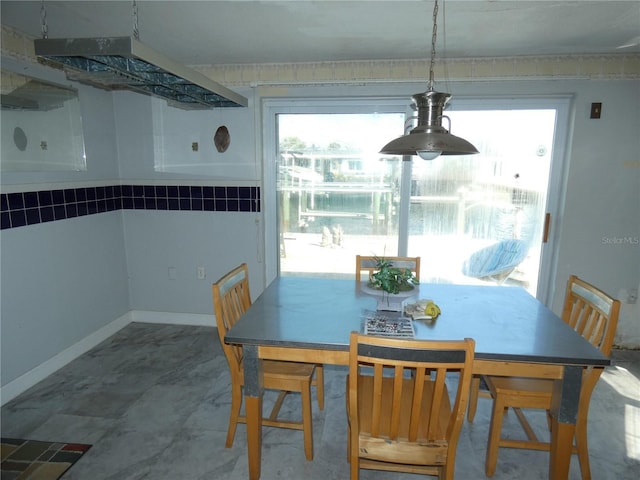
column 28, row 208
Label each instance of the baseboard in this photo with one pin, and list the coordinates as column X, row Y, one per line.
column 195, row 319
column 14, row 388
column 21, row 384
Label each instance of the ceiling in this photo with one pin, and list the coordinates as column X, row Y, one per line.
column 250, row 32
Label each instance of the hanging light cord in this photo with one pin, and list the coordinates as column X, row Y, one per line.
column 43, row 18
column 136, row 32
column 433, row 44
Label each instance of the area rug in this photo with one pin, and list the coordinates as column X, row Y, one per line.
column 36, row 460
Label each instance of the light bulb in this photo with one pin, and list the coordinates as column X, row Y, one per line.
column 428, row 155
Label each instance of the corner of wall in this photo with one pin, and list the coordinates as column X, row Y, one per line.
column 21, row 384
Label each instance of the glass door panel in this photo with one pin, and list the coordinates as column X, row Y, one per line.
column 479, row 218
column 337, row 196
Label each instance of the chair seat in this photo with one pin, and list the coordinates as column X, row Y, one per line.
column 276, row 369
column 287, row 376
column 525, row 390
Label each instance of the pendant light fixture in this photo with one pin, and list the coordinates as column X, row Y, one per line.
column 429, row 139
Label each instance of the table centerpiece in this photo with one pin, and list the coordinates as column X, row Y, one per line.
column 392, row 285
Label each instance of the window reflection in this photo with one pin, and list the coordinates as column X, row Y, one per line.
column 41, row 126
column 338, row 197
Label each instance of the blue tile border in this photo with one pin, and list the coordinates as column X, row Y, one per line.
column 28, row 208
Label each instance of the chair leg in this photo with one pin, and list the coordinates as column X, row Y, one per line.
column 582, row 446
column 526, row 426
column 307, row 421
column 355, row 466
column 277, row 405
column 236, row 403
column 473, row 398
column 446, row 471
column 352, row 456
column 346, row 408
column 495, row 430
column 319, row 383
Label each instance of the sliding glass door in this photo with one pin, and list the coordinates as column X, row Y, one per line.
column 473, row 219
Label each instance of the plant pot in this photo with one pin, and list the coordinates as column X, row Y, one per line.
column 390, row 302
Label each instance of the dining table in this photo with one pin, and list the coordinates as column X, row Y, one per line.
column 309, row 319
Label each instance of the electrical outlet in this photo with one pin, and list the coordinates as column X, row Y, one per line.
column 173, row 274
column 632, row 298
column 202, row 274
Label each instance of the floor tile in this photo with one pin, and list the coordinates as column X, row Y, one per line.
column 153, row 400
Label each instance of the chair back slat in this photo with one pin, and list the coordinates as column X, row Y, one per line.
column 592, row 313
column 405, row 416
column 435, row 430
column 377, row 400
column 398, row 377
column 416, row 404
column 231, row 298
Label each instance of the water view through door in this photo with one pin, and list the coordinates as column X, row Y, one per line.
column 472, row 219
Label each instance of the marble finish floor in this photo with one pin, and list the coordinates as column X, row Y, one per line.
column 153, row 400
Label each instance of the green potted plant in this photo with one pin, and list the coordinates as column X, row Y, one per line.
column 392, row 279
column 395, row 283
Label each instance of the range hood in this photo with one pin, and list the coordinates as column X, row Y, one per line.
column 124, row 63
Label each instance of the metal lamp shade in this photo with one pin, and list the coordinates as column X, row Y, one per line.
column 433, row 141
column 429, row 135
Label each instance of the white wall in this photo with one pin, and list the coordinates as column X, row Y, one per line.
column 600, row 231
column 156, row 241
column 62, row 281
column 149, row 130
column 97, row 111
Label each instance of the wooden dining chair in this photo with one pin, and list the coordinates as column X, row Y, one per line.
column 231, row 298
column 405, row 422
column 369, row 264
column 594, row 315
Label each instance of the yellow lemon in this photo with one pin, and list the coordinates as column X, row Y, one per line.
column 432, row 310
